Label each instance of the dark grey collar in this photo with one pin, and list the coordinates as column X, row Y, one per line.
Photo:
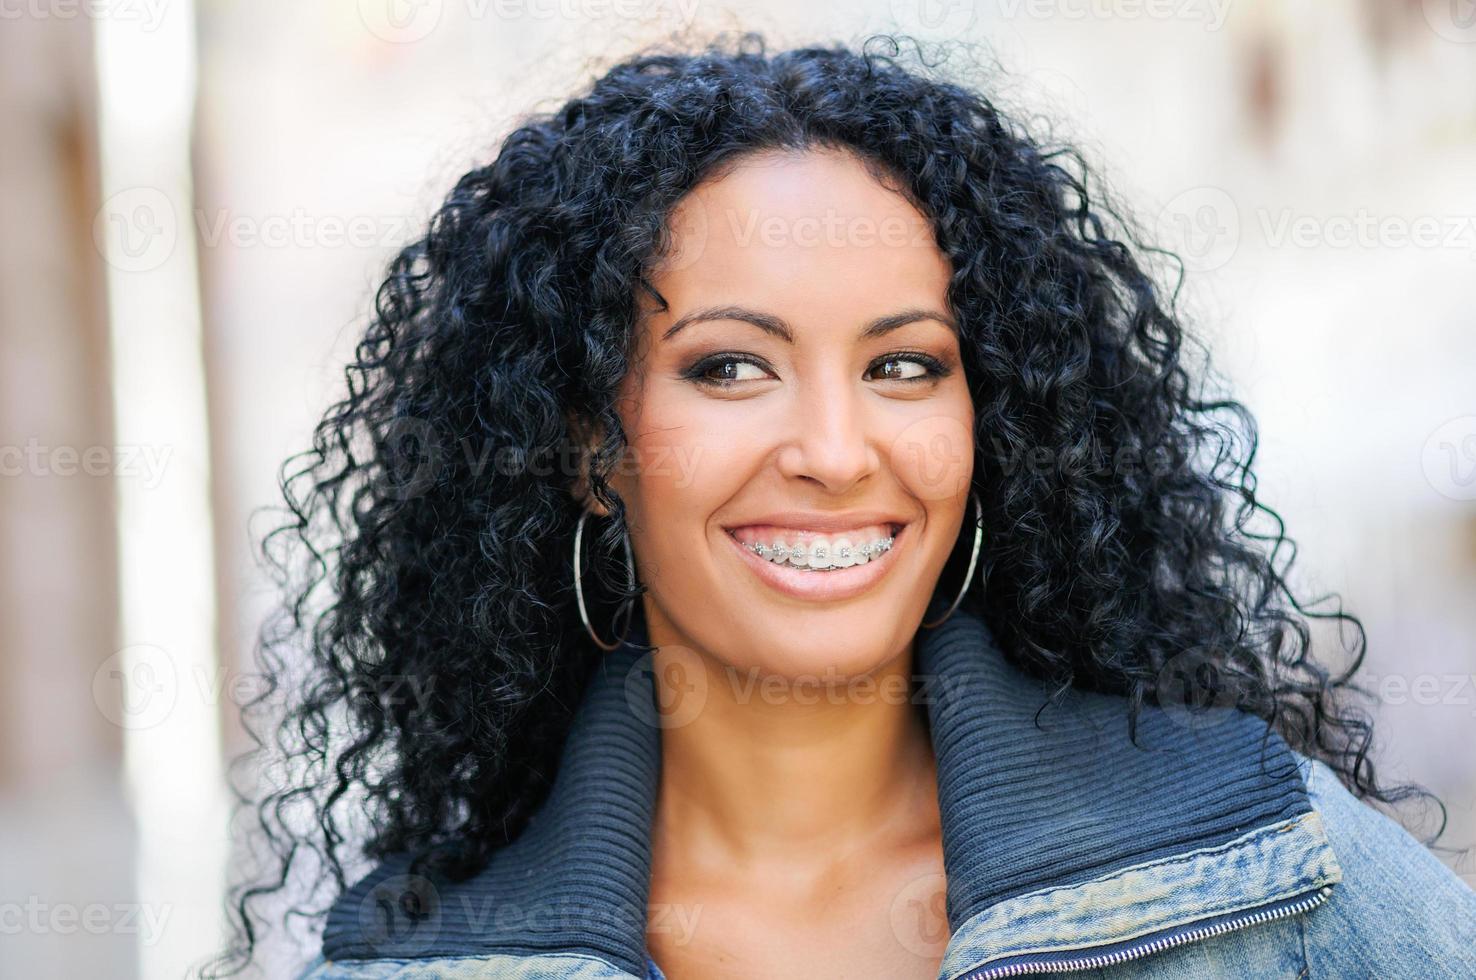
column 1027, row 803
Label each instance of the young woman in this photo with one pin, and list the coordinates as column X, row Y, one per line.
column 773, row 531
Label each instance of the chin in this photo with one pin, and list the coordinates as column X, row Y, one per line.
column 814, row 655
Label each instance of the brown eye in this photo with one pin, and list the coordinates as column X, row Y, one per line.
column 724, row 371
column 897, row 369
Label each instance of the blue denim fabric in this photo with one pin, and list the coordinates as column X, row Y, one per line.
column 539, row 967
column 1213, row 852
column 1397, row 912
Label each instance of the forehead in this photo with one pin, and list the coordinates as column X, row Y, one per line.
column 810, row 236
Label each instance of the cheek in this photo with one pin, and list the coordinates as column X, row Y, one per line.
column 933, row 455
column 699, row 441
column 683, row 463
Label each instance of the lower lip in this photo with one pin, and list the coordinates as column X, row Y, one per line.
column 830, row 586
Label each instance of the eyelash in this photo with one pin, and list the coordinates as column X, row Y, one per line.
column 936, row 369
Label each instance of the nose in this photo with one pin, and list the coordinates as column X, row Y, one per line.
column 830, row 443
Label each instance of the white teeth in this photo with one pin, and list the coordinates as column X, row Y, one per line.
column 821, row 555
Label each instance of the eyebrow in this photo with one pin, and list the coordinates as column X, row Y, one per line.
column 774, row 325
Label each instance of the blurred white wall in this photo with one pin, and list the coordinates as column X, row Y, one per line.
column 65, row 826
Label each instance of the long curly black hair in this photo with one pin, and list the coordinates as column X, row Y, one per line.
column 427, row 662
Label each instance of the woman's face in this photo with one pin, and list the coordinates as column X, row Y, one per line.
column 803, row 390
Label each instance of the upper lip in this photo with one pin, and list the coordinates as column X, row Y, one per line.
column 819, row 521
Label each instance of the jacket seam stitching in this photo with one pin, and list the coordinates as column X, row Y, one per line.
column 1306, row 970
column 471, row 958
column 1166, row 921
column 1243, row 841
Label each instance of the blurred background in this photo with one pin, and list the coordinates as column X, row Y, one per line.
column 198, row 199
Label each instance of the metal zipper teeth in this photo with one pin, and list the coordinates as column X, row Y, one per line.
column 1155, row 946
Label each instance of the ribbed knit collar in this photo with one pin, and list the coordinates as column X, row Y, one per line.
column 1029, row 799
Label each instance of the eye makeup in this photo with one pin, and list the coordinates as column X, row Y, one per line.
column 700, row 371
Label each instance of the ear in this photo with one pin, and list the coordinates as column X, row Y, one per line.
column 586, row 437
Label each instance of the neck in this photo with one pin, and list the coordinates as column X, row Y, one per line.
column 771, row 771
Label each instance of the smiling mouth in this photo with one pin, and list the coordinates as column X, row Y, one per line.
column 807, row 551
column 820, row 566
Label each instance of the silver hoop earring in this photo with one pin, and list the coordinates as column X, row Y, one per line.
column 973, row 561
column 630, row 582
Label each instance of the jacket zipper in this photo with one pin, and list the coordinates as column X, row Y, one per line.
column 1144, row 948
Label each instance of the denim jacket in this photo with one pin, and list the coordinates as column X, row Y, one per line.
column 1208, row 849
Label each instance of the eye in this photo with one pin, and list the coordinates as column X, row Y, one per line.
column 721, row 370
column 906, row 367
